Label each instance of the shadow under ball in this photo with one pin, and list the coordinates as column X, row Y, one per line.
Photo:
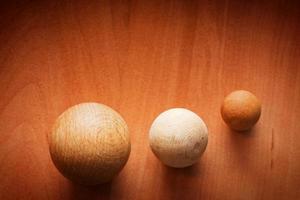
column 241, row 110
column 89, row 143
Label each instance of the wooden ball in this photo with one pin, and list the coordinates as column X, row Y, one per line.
column 241, row 110
column 89, row 143
column 178, row 137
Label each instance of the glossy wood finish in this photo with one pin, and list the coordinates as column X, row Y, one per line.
column 141, row 58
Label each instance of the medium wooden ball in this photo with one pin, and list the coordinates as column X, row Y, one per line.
column 89, row 143
column 241, row 110
column 178, row 137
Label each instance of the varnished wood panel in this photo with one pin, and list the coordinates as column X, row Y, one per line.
column 142, row 57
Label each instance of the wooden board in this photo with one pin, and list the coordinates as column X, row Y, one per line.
column 141, row 58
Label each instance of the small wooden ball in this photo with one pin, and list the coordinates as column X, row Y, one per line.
column 178, row 137
column 89, row 143
column 241, row 110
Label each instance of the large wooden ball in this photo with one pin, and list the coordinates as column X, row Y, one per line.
column 241, row 110
column 178, row 137
column 89, row 143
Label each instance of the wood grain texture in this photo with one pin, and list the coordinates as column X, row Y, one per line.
column 141, row 58
column 178, row 137
column 89, row 143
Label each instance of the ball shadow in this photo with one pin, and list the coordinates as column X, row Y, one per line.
column 190, row 171
column 181, row 183
column 101, row 191
column 245, row 150
column 242, row 143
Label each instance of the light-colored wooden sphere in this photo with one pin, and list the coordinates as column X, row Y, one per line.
column 241, row 110
column 178, row 137
column 89, row 143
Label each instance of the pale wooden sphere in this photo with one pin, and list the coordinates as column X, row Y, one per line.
column 89, row 143
column 178, row 137
column 241, row 110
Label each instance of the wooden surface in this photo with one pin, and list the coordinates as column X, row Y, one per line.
column 142, row 57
